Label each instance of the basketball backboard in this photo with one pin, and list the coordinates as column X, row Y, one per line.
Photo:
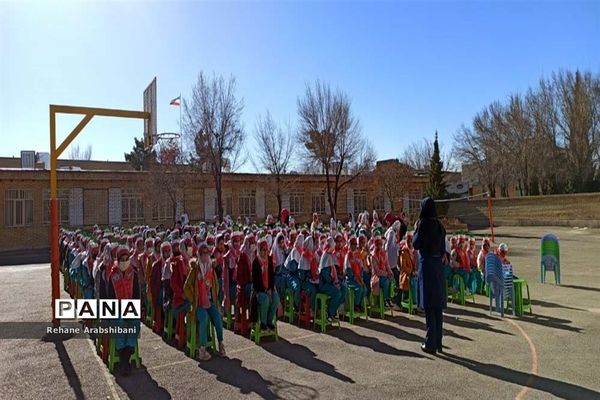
column 150, row 106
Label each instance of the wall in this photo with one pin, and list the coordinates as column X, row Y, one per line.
column 553, row 210
column 95, row 197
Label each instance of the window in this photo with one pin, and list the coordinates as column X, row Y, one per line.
column 132, row 206
column 360, row 200
column 318, row 202
column 296, row 202
column 18, row 207
column 63, row 206
column 227, row 204
column 379, row 204
column 163, row 209
column 247, row 198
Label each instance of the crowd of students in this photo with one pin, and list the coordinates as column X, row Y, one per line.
column 206, row 270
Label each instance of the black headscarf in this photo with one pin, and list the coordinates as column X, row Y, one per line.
column 427, row 208
column 430, row 236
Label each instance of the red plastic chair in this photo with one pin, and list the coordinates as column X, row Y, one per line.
column 304, row 313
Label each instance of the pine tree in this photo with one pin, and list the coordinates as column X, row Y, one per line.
column 436, row 189
column 140, row 158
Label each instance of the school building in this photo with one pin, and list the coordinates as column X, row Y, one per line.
column 112, row 193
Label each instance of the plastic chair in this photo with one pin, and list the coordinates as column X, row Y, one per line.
column 180, row 330
column 461, row 295
column 550, row 257
column 321, row 312
column 377, row 306
column 289, row 306
column 350, row 313
column 304, row 312
column 191, row 346
column 113, row 356
column 257, row 333
column 509, row 287
column 527, row 304
column 409, row 304
column 495, row 279
column 228, row 317
column 168, row 331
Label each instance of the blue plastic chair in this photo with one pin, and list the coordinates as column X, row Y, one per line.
column 550, row 257
column 500, row 282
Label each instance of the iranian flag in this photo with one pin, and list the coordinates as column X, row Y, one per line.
column 176, row 101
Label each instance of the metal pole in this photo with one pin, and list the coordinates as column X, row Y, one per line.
column 54, row 273
column 180, row 125
column 491, row 217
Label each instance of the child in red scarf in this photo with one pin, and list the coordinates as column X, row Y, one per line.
column 123, row 284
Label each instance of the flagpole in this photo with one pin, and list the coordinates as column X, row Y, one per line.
column 180, row 125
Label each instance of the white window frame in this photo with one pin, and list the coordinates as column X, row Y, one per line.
column 132, row 206
column 296, row 202
column 18, row 207
column 318, row 202
column 162, row 209
column 247, row 203
column 360, row 200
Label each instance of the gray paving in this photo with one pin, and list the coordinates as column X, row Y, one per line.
column 487, row 357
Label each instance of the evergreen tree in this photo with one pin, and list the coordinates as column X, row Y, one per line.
column 140, row 158
column 436, row 189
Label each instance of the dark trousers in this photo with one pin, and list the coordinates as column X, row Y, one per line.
column 433, row 321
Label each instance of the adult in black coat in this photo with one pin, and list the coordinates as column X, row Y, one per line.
column 430, row 240
column 264, row 293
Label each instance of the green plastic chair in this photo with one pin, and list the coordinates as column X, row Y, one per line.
column 550, row 257
column 228, row 318
column 113, row 356
column 350, row 313
column 321, row 312
column 191, row 346
column 256, row 333
column 461, row 295
column 168, row 329
column 289, row 306
column 409, row 305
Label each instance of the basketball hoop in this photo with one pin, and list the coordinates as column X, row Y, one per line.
column 167, row 136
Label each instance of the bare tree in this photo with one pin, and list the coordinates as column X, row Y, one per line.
column 213, row 128
column 331, row 137
column 274, row 152
column 76, row 153
column 167, row 175
column 394, row 178
column 546, row 141
column 579, row 125
column 417, row 155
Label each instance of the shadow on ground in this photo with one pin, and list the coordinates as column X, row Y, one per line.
column 544, row 320
column 556, row 388
column 65, row 362
column 140, row 385
column 231, row 372
column 591, row 289
column 351, row 337
column 303, row 357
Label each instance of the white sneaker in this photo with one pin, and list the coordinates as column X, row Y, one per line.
column 203, row 355
column 222, row 349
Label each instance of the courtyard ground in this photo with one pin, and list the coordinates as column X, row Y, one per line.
column 553, row 353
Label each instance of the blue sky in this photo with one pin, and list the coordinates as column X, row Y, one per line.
column 409, row 67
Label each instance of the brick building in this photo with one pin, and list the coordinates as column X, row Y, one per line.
column 112, row 193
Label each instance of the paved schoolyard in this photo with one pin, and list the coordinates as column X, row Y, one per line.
column 486, row 356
